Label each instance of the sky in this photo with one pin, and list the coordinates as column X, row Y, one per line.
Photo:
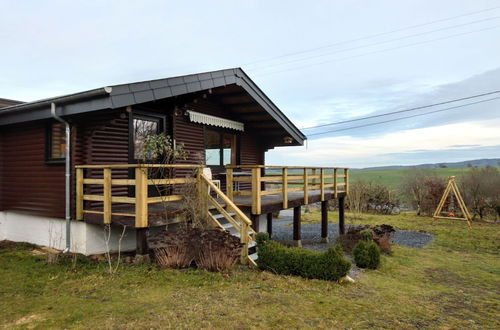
column 320, row 62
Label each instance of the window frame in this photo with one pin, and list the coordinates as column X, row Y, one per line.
column 221, row 133
column 161, row 119
column 48, row 144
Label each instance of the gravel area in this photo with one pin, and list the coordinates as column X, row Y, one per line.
column 311, row 234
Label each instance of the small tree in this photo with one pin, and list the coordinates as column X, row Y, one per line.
column 422, row 190
column 481, row 191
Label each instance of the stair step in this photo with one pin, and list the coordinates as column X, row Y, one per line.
column 227, row 225
column 219, row 216
column 253, row 256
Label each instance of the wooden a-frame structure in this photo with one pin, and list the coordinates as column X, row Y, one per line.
column 452, row 187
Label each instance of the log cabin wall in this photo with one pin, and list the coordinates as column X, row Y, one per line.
column 28, row 184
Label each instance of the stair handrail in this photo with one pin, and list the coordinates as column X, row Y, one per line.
column 226, row 199
column 246, row 223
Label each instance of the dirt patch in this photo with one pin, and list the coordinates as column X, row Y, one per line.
column 445, row 277
column 9, row 245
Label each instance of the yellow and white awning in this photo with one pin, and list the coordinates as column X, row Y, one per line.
column 201, row 118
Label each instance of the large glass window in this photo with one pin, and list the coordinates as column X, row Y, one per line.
column 56, row 142
column 142, row 128
column 220, row 148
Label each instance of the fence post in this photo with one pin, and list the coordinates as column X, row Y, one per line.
column 346, row 180
column 244, row 240
column 79, row 194
column 107, row 195
column 322, row 184
column 306, row 186
column 202, row 192
column 141, row 197
column 229, row 183
column 335, row 183
column 285, row 188
column 256, row 196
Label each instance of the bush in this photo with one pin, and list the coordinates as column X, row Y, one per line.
column 261, row 238
column 366, row 235
column 330, row 265
column 210, row 249
column 174, row 248
column 367, row 255
column 381, row 234
column 219, row 250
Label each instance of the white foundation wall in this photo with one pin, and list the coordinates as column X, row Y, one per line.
column 85, row 238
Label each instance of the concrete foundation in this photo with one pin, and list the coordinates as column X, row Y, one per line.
column 86, row 238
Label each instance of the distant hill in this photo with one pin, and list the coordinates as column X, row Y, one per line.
column 495, row 162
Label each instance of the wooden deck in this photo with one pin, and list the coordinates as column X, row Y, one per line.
column 273, row 203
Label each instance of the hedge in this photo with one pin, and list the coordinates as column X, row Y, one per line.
column 330, row 265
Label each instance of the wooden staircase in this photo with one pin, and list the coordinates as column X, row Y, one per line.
column 226, row 215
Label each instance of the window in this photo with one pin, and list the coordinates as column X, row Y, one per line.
column 142, row 128
column 56, row 142
column 220, row 148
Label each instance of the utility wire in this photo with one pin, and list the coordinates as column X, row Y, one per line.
column 378, row 51
column 402, row 111
column 376, row 43
column 372, row 36
column 417, row 115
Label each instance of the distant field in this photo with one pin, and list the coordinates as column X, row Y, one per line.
column 393, row 177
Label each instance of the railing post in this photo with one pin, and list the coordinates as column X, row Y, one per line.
column 244, row 240
column 335, row 182
column 346, row 180
column 313, row 181
column 229, row 183
column 322, row 184
column 256, row 196
column 107, row 195
column 306, row 186
column 141, row 197
column 285, row 188
column 202, row 192
column 79, row 194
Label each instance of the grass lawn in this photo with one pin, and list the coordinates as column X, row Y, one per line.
column 393, row 177
column 453, row 283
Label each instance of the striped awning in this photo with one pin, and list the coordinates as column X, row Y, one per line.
column 201, row 118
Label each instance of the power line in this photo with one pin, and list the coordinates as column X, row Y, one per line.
column 396, row 119
column 377, row 43
column 402, row 111
column 373, row 35
column 378, row 51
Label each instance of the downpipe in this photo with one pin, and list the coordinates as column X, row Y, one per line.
column 67, row 175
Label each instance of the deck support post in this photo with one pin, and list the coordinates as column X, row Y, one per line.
column 270, row 224
column 141, row 237
column 324, row 222
column 255, row 221
column 296, row 226
column 342, row 215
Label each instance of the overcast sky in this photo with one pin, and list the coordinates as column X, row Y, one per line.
column 319, row 61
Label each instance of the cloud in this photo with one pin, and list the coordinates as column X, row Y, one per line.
column 423, row 144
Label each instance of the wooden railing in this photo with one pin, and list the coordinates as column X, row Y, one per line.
column 289, row 178
column 239, row 221
column 141, row 198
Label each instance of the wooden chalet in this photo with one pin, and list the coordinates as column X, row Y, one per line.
column 76, row 157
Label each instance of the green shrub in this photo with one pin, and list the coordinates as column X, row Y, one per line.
column 261, row 238
column 366, row 235
column 330, row 265
column 367, row 254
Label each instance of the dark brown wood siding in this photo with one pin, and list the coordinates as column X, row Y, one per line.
column 27, row 183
